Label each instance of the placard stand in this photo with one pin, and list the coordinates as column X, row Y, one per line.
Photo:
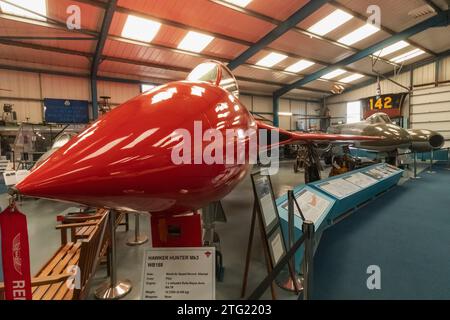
column 138, row 239
column 269, row 229
column 292, row 281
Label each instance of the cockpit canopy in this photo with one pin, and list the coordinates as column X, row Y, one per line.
column 379, row 117
column 216, row 73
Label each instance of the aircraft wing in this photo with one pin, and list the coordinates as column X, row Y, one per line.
column 287, row 137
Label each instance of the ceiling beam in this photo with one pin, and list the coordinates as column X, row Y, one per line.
column 413, row 66
column 289, row 23
column 134, row 62
column 302, row 31
column 384, row 28
column 58, row 24
column 441, row 19
column 220, row 36
column 106, row 24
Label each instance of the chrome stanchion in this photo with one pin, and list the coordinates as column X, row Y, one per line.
column 448, row 158
column 113, row 289
column 290, row 281
column 430, row 170
column 308, row 229
column 138, row 239
column 415, row 167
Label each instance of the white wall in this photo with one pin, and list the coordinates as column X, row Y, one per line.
column 29, row 90
column 300, row 110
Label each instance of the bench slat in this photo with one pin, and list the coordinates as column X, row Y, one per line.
column 59, row 267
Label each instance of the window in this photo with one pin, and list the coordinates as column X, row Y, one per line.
column 353, row 112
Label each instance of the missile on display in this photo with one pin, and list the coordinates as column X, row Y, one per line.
column 125, row 160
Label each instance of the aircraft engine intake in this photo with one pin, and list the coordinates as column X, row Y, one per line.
column 425, row 140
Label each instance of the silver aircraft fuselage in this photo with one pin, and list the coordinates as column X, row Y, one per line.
column 395, row 137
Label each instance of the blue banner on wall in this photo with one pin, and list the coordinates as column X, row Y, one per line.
column 66, row 111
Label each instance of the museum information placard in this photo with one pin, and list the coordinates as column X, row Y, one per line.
column 179, row 274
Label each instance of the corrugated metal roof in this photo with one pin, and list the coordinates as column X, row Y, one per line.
column 234, row 31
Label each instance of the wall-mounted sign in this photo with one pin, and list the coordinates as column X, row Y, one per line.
column 66, row 111
column 391, row 104
column 179, row 274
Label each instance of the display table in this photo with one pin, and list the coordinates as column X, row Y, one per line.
column 327, row 201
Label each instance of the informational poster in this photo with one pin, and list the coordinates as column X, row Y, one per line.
column 340, row 188
column 266, row 200
column 313, row 206
column 276, row 246
column 179, row 274
column 361, row 180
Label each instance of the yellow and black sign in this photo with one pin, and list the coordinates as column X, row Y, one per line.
column 391, row 104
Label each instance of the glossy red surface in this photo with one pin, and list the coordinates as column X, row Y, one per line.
column 123, row 161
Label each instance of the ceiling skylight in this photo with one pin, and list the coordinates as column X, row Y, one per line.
column 391, row 49
column 352, row 78
column 334, row 74
column 330, row 22
column 271, row 59
column 195, row 41
column 359, row 34
column 140, row 29
column 38, row 6
column 299, row 66
column 240, row 3
column 407, row 56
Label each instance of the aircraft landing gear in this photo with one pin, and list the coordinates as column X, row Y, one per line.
column 308, row 158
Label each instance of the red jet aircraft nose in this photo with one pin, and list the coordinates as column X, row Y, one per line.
column 124, row 160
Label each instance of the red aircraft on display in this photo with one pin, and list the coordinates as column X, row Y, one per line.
column 124, row 160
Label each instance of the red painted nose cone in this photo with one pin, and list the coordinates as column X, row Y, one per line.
column 123, row 161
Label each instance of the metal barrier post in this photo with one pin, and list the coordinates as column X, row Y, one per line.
column 430, row 170
column 415, row 167
column 308, row 229
column 138, row 239
column 291, row 281
column 113, row 289
column 448, row 158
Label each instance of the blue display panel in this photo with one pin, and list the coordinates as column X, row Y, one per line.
column 326, row 200
column 66, row 111
column 315, row 207
column 355, row 188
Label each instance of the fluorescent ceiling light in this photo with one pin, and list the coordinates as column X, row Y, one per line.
column 147, row 87
column 359, row 34
column 299, row 66
column 407, row 56
column 39, row 6
column 391, row 49
column 330, row 22
column 240, row 3
column 195, row 41
column 271, row 59
column 140, row 29
column 334, row 74
column 352, row 78
column 287, row 114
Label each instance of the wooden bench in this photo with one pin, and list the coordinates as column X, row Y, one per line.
column 50, row 283
column 84, row 232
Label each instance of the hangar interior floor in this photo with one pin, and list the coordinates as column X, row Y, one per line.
column 406, row 233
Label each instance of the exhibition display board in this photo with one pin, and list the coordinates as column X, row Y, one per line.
column 326, row 201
